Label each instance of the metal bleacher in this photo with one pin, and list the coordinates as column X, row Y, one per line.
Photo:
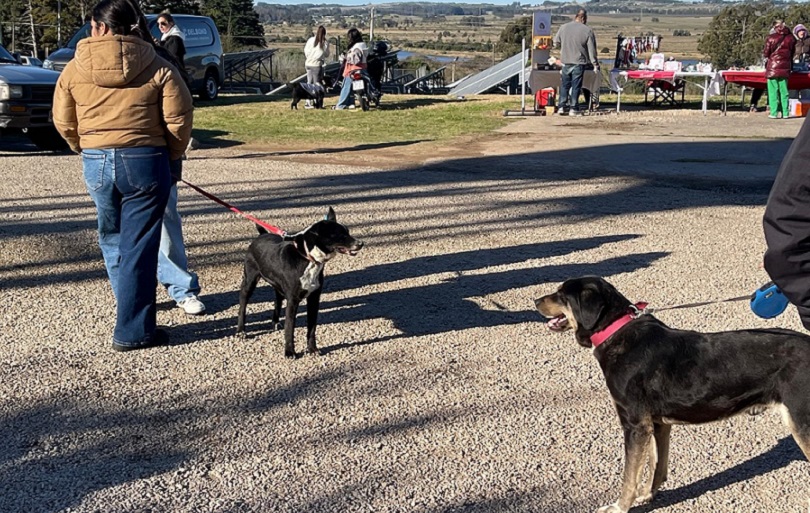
column 250, row 71
column 432, row 83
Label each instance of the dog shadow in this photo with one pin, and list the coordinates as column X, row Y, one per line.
column 457, row 301
column 780, row 455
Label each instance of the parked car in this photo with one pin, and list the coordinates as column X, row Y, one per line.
column 27, row 60
column 26, row 99
column 204, row 62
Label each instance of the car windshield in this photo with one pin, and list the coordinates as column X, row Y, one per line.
column 78, row 36
column 5, row 56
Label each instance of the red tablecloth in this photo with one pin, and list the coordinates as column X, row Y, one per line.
column 641, row 74
column 757, row 80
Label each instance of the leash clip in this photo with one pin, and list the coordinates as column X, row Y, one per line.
column 638, row 312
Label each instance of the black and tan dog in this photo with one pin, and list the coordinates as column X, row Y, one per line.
column 659, row 376
column 294, row 267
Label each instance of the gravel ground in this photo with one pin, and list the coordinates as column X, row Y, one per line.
column 439, row 390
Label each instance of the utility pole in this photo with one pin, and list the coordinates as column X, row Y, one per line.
column 371, row 31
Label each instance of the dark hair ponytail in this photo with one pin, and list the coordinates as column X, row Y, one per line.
column 354, row 37
column 123, row 17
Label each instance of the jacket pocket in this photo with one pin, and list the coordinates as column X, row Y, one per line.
column 144, row 171
column 93, row 165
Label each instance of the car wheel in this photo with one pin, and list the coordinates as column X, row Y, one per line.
column 210, row 87
column 46, row 139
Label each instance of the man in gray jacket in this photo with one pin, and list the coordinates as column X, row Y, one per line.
column 578, row 53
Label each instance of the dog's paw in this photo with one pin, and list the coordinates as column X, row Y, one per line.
column 314, row 351
column 290, row 354
column 241, row 335
column 644, row 498
column 611, row 508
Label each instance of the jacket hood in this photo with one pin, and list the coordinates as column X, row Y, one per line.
column 783, row 30
column 797, row 28
column 174, row 31
column 113, row 61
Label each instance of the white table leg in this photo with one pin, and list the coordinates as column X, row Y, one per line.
column 705, row 94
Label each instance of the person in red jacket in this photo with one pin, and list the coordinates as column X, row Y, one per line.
column 778, row 51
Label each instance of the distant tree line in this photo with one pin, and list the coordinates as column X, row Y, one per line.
column 595, row 6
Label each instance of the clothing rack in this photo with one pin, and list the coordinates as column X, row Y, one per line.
column 629, row 47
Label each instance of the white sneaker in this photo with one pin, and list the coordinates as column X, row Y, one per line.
column 192, row 306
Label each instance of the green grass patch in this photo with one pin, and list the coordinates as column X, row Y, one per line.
column 235, row 120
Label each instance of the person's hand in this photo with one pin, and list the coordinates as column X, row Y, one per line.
column 176, row 169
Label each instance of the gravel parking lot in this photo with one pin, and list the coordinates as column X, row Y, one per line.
column 440, row 390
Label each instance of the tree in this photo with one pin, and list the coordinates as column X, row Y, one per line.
column 171, row 6
column 237, row 22
column 510, row 40
column 736, row 35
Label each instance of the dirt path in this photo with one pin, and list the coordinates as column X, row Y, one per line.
column 440, row 390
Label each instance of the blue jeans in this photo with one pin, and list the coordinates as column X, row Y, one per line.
column 346, row 94
column 172, row 271
column 130, row 187
column 571, row 81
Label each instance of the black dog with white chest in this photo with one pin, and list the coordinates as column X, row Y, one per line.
column 294, row 267
column 659, row 376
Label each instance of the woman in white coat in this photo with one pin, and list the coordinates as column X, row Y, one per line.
column 316, row 51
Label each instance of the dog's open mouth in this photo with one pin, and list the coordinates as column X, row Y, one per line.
column 559, row 323
column 348, row 251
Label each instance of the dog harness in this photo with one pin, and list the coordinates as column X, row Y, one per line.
column 634, row 312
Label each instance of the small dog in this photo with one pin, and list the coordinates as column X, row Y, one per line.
column 314, row 92
column 659, row 376
column 294, row 267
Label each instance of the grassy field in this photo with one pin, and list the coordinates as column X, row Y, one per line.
column 259, row 120
column 606, row 27
column 268, row 121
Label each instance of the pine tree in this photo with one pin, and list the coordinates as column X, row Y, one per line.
column 171, row 6
column 237, row 22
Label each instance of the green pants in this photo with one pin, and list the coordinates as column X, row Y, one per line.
column 778, row 96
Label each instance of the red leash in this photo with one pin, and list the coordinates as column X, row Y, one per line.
column 269, row 227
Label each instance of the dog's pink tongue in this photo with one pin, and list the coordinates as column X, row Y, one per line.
column 558, row 323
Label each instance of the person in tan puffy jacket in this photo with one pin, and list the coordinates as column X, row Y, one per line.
column 127, row 111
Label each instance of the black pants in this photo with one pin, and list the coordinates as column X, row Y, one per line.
column 756, row 95
column 787, row 226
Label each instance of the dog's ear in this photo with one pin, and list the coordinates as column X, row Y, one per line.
column 330, row 215
column 587, row 307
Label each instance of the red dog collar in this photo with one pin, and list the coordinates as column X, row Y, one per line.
column 633, row 313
